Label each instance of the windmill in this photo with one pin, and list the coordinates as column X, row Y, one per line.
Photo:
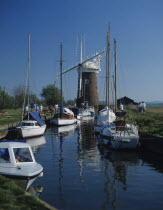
column 88, row 69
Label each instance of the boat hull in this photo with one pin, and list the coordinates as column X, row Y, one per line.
column 23, row 181
column 62, row 122
column 26, row 132
column 120, row 139
column 121, row 142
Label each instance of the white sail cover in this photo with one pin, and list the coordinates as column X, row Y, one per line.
column 106, row 115
column 68, row 111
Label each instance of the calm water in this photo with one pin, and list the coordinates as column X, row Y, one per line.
column 81, row 174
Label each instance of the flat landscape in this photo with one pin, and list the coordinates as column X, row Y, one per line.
column 150, row 122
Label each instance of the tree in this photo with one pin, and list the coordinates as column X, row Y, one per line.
column 70, row 102
column 51, row 94
column 6, row 100
column 19, row 95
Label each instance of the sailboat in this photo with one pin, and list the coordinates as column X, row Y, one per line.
column 119, row 134
column 65, row 116
column 31, row 125
column 106, row 115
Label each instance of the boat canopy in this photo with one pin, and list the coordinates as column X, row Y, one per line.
column 75, row 110
column 68, row 111
column 35, row 116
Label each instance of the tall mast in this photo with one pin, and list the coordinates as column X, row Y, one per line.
column 79, row 70
column 108, row 68
column 28, row 75
column 81, row 50
column 61, row 69
column 115, row 78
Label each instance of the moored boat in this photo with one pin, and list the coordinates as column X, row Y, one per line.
column 31, row 126
column 18, row 163
column 88, row 111
column 119, row 135
column 105, row 116
column 64, row 117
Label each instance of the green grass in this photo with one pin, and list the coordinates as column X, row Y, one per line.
column 151, row 122
column 13, row 197
column 10, row 116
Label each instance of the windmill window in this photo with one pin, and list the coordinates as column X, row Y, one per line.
column 86, row 81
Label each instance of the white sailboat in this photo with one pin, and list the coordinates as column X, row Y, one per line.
column 88, row 111
column 31, row 125
column 118, row 134
column 106, row 115
column 65, row 116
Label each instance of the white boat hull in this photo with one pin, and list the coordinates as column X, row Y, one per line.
column 126, row 139
column 88, row 112
column 122, row 142
column 27, row 132
column 24, row 182
column 61, row 122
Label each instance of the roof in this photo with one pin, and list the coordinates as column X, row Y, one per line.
column 125, row 100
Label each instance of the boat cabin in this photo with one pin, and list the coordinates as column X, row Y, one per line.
column 29, row 123
column 15, row 152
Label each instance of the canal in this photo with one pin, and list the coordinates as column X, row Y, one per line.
column 79, row 173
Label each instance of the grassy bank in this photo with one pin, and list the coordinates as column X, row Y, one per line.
column 13, row 197
column 151, row 122
column 8, row 116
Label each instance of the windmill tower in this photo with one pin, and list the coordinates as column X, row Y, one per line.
column 87, row 93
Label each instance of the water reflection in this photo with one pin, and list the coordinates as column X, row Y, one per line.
column 64, row 130
column 86, row 145
column 36, row 143
column 82, row 174
column 152, row 160
column 86, row 134
column 116, row 167
column 60, row 171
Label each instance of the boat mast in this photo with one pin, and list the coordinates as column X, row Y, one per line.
column 79, row 70
column 115, row 77
column 28, row 75
column 61, row 70
column 108, row 68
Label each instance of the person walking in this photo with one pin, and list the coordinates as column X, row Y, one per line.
column 140, row 107
column 121, row 107
column 41, row 108
column 143, row 107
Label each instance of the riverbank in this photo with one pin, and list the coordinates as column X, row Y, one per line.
column 13, row 197
column 150, row 122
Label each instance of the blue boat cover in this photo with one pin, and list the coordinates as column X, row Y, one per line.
column 35, row 116
column 14, row 140
column 75, row 110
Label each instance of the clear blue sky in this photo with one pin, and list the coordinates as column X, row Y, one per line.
column 136, row 25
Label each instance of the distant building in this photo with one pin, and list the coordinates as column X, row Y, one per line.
column 126, row 101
